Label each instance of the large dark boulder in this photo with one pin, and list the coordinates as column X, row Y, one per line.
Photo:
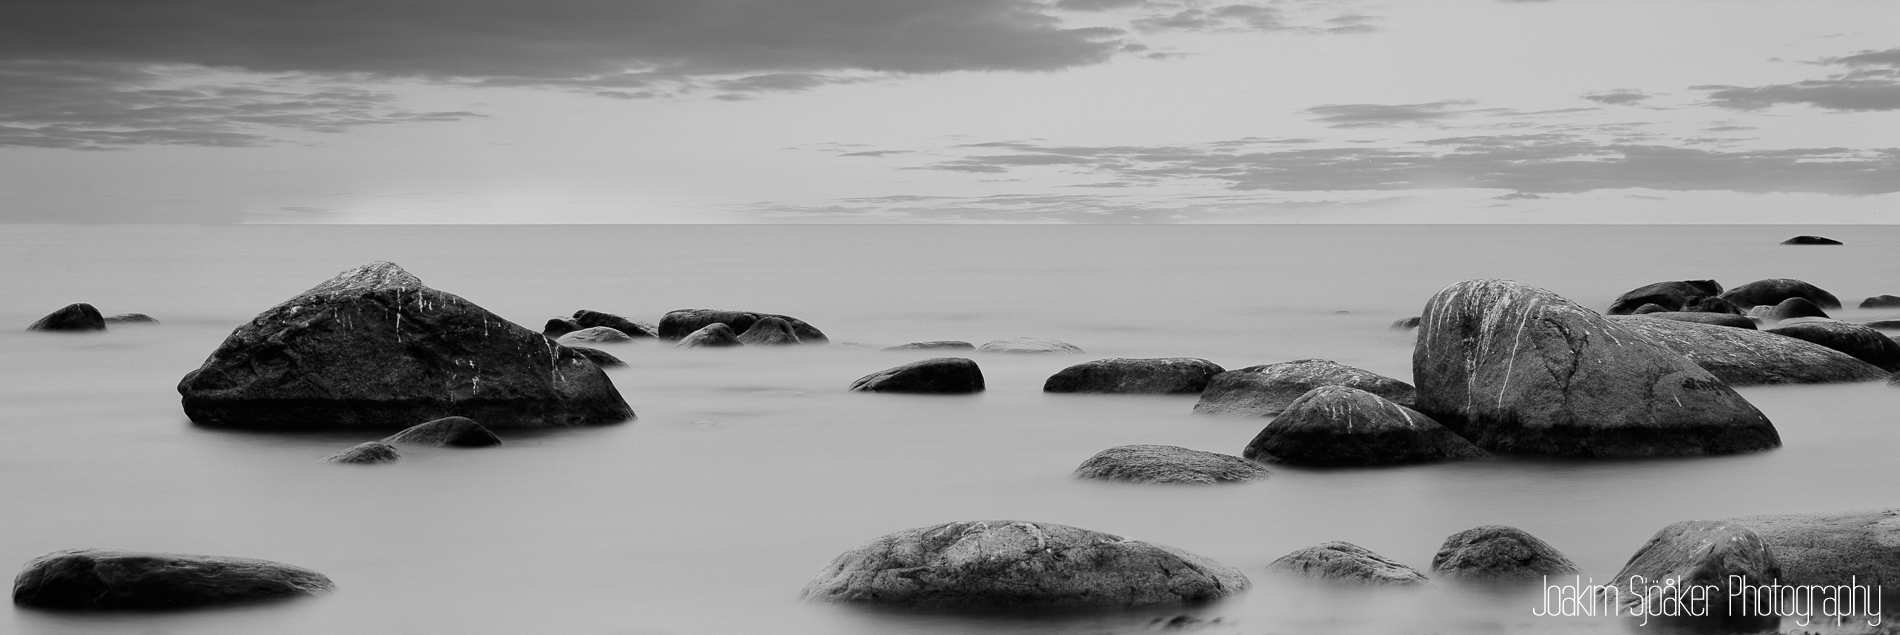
column 110, row 579
column 460, row 432
column 131, row 318
column 1340, row 561
column 1497, row 553
column 1862, row 342
column 1265, row 390
column 374, row 348
column 1000, row 564
column 932, row 346
column 1168, row 464
column 1341, row 426
column 594, row 335
column 365, row 453
column 943, row 375
column 1744, row 357
column 1029, row 345
column 769, row 331
column 1773, row 290
column 678, row 324
column 1672, row 295
column 1881, row 302
column 1518, row 369
column 714, row 335
column 630, row 328
column 1730, row 320
column 1835, row 548
column 1156, row 376
column 1692, row 553
column 72, row 317
column 1810, row 240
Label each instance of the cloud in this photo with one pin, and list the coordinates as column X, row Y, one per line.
column 1618, row 97
column 1871, row 82
column 1377, row 115
column 1296, row 17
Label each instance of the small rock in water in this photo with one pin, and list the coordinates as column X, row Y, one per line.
column 1168, row 464
column 678, row 324
column 461, row 432
column 936, row 345
column 73, row 317
column 599, row 357
column 1497, row 553
column 1156, row 376
column 1862, row 342
column 131, row 318
column 715, row 334
column 1881, row 302
column 1346, row 562
column 594, row 335
column 630, row 328
column 366, row 453
column 1773, row 290
column 942, row 375
column 1672, row 295
column 111, row 579
column 1028, row 345
column 1810, row 240
column 769, row 331
column 1258, row 391
column 1341, row 426
column 1722, row 555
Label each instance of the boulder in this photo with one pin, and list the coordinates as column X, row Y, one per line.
column 1810, row 240
column 678, row 324
column 1773, row 290
column 1341, row 426
column 1028, row 345
column 1793, row 308
column 1834, row 548
column 111, row 579
column 1497, row 553
column 1346, row 562
column 599, row 357
column 1713, row 305
column 559, row 326
column 1518, row 369
column 715, row 334
column 1154, row 376
column 769, row 331
column 1259, row 391
column 374, row 348
column 630, row 328
column 593, row 335
column 930, row 346
column 1672, row 295
column 1168, row 464
column 1696, row 553
column 944, row 375
column 1862, row 342
column 999, row 564
column 131, row 318
column 1743, row 357
column 1730, row 320
column 1881, row 302
column 460, row 432
column 73, row 317
column 1405, row 324
column 366, row 453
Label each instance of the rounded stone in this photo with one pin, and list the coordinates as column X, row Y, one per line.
column 1156, row 376
column 588, row 319
column 1265, row 390
column 1341, row 426
column 1862, row 342
column 1168, row 464
column 1719, row 554
column 1340, row 561
column 1497, row 553
column 110, row 579
column 1671, row 295
column 1881, row 302
column 72, row 317
column 1810, row 240
column 716, row 334
column 131, row 318
column 1030, row 345
column 1743, row 357
column 461, row 432
column 593, row 335
column 679, row 324
column 1773, row 290
column 769, row 331
column 366, row 453
column 939, row 375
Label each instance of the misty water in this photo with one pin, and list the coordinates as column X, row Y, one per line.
column 749, row 469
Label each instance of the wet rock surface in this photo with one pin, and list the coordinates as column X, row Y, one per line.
column 78, row 316
column 1346, row 562
column 1265, row 390
column 1341, row 426
column 941, row 375
column 1499, row 553
column 1168, row 464
column 1699, row 553
column 1159, row 376
column 1774, row 290
column 1748, row 358
column 713, row 335
column 110, row 579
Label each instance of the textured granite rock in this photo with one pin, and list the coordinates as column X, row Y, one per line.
column 1168, row 464
column 110, row 579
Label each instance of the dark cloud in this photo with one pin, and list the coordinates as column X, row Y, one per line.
column 1376, row 115
column 1618, row 97
column 1870, row 82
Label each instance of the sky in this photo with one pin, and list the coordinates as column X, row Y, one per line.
column 950, row 111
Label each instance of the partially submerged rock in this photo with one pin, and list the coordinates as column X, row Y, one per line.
column 1499, row 553
column 131, row 318
column 72, row 317
column 1265, row 390
column 1862, row 342
column 1156, row 376
column 1518, row 369
column 366, row 453
column 1834, row 548
column 1028, row 345
column 769, row 331
column 461, row 432
column 931, row 346
column 1794, row 308
column 1672, row 295
column 557, row 327
column 678, row 324
column 1168, row 464
column 940, row 375
column 111, row 579
column 1881, row 302
column 375, row 348
column 1341, row 426
column 1017, row 564
column 1696, row 553
column 715, row 335
column 1743, row 357
column 631, row 328
column 1773, row 290
column 1810, row 240
column 594, row 335
column 1346, row 562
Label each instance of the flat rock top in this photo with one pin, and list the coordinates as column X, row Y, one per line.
column 1168, row 464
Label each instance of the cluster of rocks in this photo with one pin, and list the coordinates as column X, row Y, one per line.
column 80, row 317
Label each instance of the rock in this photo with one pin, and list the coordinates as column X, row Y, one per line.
column 1885, row 325
column 1153, row 376
column 460, row 432
column 1258, row 391
column 630, row 328
column 1696, row 553
column 366, row 453
column 73, row 317
column 1404, row 324
column 111, row 579
column 594, row 335
column 1649, row 308
column 1341, row 426
column 1346, row 562
column 1028, row 345
column 374, row 348
column 1810, row 240
column 1672, row 295
column 1015, row 564
column 1497, row 553
column 131, row 318
column 944, row 375
column 1792, row 308
column 1774, row 290
column 715, row 334
column 1862, row 342
column 769, row 331
column 678, row 324
column 599, row 357
column 1834, row 548
column 1743, row 357
column 1714, row 319
column 1713, row 305
column 560, row 326
column 1168, row 464
column 926, row 346
column 1881, row 302
column 1518, row 369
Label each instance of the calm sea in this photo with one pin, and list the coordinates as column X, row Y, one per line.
column 748, row 470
